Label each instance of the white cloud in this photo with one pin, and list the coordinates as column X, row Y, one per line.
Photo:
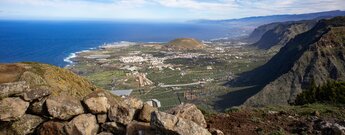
column 163, row 9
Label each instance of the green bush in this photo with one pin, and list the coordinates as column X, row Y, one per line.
column 331, row 92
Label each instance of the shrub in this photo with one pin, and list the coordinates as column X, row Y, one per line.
column 331, row 92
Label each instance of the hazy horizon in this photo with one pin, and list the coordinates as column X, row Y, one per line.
column 157, row 10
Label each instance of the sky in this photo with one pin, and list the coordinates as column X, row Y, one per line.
column 168, row 10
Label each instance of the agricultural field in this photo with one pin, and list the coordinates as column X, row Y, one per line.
column 154, row 71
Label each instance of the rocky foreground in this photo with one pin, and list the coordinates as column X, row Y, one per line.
column 29, row 108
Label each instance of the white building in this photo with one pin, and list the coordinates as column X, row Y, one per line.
column 154, row 103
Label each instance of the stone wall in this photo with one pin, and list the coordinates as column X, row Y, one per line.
column 36, row 111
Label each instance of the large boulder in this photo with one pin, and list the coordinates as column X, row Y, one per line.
column 97, row 103
column 52, row 128
column 145, row 113
column 85, row 124
column 64, row 107
column 35, row 94
column 134, row 103
column 121, row 113
column 189, row 112
column 173, row 125
column 12, row 108
column 14, row 88
column 26, row 124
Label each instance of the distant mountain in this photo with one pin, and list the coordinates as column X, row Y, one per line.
column 253, row 22
column 246, row 25
column 316, row 55
column 280, row 34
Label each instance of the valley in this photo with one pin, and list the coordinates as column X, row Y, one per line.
column 171, row 75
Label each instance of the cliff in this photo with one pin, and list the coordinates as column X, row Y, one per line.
column 282, row 33
column 317, row 55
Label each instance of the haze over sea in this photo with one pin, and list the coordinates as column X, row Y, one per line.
column 52, row 41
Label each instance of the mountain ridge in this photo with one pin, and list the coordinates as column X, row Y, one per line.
column 302, row 60
column 261, row 20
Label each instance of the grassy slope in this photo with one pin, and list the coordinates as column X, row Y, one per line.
column 58, row 80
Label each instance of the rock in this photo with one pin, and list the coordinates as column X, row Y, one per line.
column 26, row 124
column 97, row 104
column 35, row 94
column 84, row 124
column 114, row 128
column 121, row 114
column 216, row 132
column 330, row 128
column 316, row 113
column 15, row 88
column 189, row 112
column 105, row 133
column 145, row 112
column 139, row 128
column 12, row 108
column 134, row 103
column 171, row 124
column 338, row 129
column 64, row 107
column 39, row 107
column 52, row 128
column 102, row 118
column 272, row 112
column 112, row 100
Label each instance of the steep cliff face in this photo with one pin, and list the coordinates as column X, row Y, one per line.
column 318, row 55
column 282, row 33
column 256, row 35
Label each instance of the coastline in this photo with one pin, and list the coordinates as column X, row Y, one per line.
column 71, row 56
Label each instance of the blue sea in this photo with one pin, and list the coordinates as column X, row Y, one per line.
column 52, row 41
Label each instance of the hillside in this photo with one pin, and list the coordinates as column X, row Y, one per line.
column 256, row 35
column 316, row 55
column 185, row 44
column 282, row 33
column 311, row 119
column 44, row 76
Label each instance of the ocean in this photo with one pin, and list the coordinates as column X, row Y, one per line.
column 53, row 41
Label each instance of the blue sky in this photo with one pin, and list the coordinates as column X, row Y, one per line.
column 165, row 10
